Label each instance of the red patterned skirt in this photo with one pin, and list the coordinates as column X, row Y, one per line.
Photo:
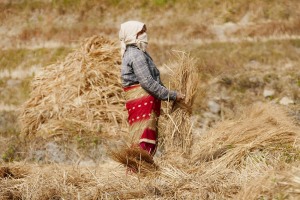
column 143, row 112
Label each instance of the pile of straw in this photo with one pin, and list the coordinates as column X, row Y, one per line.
column 81, row 94
column 176, row 127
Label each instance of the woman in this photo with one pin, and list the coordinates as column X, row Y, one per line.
column 142, row 85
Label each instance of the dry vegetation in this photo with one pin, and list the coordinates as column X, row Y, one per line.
column 176, row 128
column 261, row 146
column 64, row 85
column 82, row 94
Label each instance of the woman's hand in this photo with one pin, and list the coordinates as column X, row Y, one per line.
column 179, row 96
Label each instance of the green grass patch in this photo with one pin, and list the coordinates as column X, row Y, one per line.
column 25, row 58
column 219, row 58
column 17, row 93
column 9, row 154
column 296, row 43
column 8, row 125
column 230, row 10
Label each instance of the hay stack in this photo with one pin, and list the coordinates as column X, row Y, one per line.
column 176, row 125
column 81, row 94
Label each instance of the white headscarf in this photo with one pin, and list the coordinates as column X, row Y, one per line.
column 128, row 33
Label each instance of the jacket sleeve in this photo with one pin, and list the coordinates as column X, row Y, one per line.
column 142, row 72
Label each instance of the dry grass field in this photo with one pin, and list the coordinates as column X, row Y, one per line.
column 62, row 110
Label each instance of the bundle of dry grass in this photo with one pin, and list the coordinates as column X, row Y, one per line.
column 135, row 159
column 176, row 126
column 12, row 172
column 261, row 129
column 81, row 94
column 11, row 176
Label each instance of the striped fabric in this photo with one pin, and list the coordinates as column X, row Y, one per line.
column 143, row 112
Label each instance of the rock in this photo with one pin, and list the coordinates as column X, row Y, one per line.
column 245, row 19
column 286, row 101
column 221, row 31
column 38, row 155
column 55, row 153
column 209, row 119
column 254, row 80
column 268, row 92
column 13, row 82
column 214, row 107
column 87, row 163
